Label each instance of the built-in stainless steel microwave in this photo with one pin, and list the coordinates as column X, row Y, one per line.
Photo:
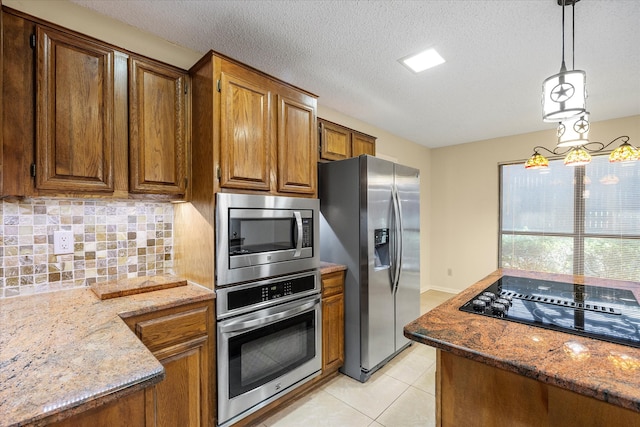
column 264, row 236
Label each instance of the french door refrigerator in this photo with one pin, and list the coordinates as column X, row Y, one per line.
column 370, row 222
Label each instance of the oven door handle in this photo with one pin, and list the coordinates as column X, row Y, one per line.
column 252, row 324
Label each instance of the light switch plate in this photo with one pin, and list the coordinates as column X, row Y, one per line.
column 62, row 242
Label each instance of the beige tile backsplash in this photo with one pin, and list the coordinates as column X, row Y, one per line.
column 112, row 239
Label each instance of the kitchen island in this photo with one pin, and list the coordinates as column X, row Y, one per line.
column 66, row 352
column 493, row 372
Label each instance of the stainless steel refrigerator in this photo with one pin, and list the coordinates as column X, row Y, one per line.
column 371, row 223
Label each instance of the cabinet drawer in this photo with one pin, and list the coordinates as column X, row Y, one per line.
column 332, row 283
column 172, row 329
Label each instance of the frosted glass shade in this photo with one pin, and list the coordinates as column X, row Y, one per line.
column 574, row 131
column 564, row 95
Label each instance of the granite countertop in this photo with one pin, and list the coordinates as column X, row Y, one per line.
column 64, row 352
column 602, row 370
column 329, row 267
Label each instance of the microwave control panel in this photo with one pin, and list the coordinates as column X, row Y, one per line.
column 307, row 227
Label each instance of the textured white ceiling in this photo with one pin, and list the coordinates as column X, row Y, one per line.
column 498, row 53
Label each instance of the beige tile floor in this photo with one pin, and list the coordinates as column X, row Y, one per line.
column 400, row 394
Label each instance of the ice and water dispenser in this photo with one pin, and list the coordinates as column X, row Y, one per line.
column 381, row 247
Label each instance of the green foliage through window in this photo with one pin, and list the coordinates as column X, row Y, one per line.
column 582, row 220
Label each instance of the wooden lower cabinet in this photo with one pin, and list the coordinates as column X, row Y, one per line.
column 182, row 339
column 470, row 393
column 332, row 322
column 129, row 410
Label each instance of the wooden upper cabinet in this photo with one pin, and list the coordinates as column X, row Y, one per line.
column 87, row 118
column 362, row 144
column 18, row 127
column 297, row 152
column 74, row 113
column 335, row 141
column 251, row 132
column 245, row 132
column 338, row 142
column 157, row 134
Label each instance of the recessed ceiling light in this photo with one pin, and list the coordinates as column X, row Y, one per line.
column 422, row 61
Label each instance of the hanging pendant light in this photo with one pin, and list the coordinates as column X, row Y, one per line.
column 580, row 155
column 577, row 156
column 537, row 161
column 574, row 131
column 625, row 153
column 564, row 95
column 564, row 100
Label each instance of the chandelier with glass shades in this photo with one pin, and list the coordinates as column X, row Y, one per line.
column 564, row 100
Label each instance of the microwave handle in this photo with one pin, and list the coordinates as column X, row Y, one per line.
column 298, row 217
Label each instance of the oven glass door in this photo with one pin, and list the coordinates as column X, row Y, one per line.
column 263, row 353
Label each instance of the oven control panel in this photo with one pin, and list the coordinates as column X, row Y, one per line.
column 277, row 290
column 247, row 296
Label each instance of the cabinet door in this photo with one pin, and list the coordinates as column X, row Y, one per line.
column 362, row 144
column 129, row 410
column 157, row 135
column 332, row 321
column 297, row 145
column 245, row 140
column 332, row 332
column 74, row 113
column 178, row 399
column 335, row 141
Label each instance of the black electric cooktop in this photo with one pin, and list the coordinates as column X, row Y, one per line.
column 592, row 311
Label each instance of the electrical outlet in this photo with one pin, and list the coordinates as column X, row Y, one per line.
column 62, row 242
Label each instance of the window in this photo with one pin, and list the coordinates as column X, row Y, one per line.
column 572, row 220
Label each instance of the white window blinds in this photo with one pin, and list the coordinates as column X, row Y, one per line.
column 572, row 220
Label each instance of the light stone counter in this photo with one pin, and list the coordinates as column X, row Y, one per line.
column 64, row 352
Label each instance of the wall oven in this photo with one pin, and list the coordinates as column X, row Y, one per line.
column 269, row 341
column 264, row 236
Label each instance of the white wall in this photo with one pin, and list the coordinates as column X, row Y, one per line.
column 464, row 199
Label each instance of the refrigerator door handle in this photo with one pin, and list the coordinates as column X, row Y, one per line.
column 397, row 247
column 393, row 243
column 400, row 239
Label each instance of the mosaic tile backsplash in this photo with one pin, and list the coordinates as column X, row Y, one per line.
column 112, row 240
